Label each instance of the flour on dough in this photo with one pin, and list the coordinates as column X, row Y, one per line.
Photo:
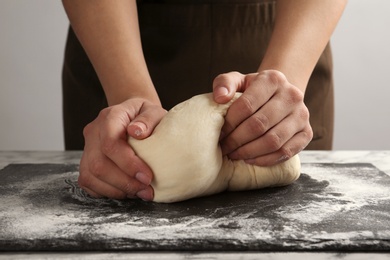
column 184, row 155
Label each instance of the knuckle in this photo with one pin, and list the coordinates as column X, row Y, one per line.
column 104, row 112
column 275, row 77
column 109, row 113
column 296, row 96
column 246, row 105
column 308, row 131
column 108, row 146
column 129, row 188
column 87, row 130
column 304, row 113
column 293, row 96
column 274, row 141
column 96, row 168
column 259, row 124
column 234, row 74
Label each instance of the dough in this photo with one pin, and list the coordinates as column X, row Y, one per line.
column 184, row 154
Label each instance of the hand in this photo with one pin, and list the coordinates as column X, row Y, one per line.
column 109, row 167
column 268, row 124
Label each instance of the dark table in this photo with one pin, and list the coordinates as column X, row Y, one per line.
column 339, row 206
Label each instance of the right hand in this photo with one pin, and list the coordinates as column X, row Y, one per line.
column 109, row 167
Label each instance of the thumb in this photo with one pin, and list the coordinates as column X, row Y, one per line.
column 143, row 125
column 226, row 85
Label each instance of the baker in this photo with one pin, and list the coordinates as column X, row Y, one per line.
column 127, row 61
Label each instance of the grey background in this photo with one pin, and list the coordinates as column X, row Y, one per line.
column 31, row 49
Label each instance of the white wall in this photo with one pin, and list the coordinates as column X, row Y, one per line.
column 362, row 75
column 32, row 43
column 32, row 37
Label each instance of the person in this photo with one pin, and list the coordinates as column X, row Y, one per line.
column 128, row 61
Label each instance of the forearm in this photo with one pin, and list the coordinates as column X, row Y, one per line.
column 302, row 30
column 108, row 31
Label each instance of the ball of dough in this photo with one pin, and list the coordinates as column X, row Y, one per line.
column 186, row 159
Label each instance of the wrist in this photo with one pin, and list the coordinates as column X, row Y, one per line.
column 121, row 94
column 298, row 78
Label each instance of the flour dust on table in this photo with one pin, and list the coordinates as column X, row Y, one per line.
column 336, row 207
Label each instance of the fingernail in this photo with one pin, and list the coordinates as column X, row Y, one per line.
column 282, row 159
column 146, row 194
column 141, row 127
column 221, row 92
column 143, row 178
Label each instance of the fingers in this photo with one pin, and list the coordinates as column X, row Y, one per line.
column 261, row 108
column 288, row 150
column 108, row 191
column 269, row 123
column 116, row 185
column 109, row 167
column 278, row 144
column 226, row 85
column 101, row 177
column 113, row 144
column 107, row 188
column 254, row 126
column 259, row 92
column 143, row 125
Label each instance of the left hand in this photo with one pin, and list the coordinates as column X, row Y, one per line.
column 268, row 124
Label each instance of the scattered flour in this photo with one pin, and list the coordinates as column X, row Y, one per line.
column 53, row 218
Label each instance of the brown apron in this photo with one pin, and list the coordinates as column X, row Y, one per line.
column 186, row 45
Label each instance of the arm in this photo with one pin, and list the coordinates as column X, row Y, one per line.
column 269, row 123
column 302, row 30
column 108, row 31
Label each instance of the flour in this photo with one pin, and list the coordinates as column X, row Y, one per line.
column 324, row 208
column 202, row 228
column 29, row 220
column 356, row 193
